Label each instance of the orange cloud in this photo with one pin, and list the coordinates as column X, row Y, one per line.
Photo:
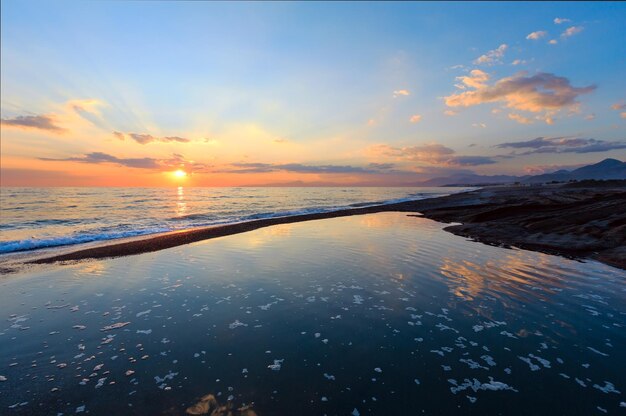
column 520, row 119
column 538, row 93
column 416, row 118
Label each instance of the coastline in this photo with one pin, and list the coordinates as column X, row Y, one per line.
column 572, row 221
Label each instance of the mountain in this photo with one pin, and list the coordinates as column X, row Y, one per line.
column 607, row 169
column 471, row 179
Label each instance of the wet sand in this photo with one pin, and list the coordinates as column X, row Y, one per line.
column 577, row 222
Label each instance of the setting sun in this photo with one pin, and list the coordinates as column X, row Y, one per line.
column 180, row 173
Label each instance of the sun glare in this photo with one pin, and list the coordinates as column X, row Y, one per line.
column 179, row 173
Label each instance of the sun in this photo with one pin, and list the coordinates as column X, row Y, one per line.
column 179, row 173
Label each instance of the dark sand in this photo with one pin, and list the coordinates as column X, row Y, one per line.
column 574, row 221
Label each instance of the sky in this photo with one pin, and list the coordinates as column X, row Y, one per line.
column 294, row 94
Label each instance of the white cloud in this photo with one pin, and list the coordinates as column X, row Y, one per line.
column 537, row 35
column 571, row 31
column 553, row 42
column 559, row 20
column 398, row 93
column 492, row 57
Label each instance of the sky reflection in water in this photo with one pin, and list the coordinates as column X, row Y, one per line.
column 382, row 313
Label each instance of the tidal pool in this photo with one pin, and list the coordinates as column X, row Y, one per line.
column 381, row 314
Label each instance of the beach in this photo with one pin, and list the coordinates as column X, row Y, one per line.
column 574, row 221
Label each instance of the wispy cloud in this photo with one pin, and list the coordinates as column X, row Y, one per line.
column 45, row 122
column 560, row 20
column 571, row 31
column 564, row 145
column 99, row 157
column 520, row 119
column 415, row 118
column 148, row 138
column 492, row 57
column 542, row 92
column 302, row 168
column 176, row 161
column 434, row 153
column 537, row 35
column 88, row 109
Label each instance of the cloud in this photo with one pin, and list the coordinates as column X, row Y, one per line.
column 492, row 57
column 520, row 119
column 537, row 35
column 590, row 117
column 553, row 42
column 618, row 106
column 147, row 138
column 176, row 161
column 398, row 93
column 99, row 157
column 434, row 154
column 39, row 122
column 571, row 31
column 476, row 79
column 559, row 20
column 623, row 114
column 415, row 118
column 518, row 62
column 118, row 135
column 301, row 168
column 450, row 113
column 381, row 166
column 564, row 145
column 88, row 110
column 542, row 92
column 481, row 125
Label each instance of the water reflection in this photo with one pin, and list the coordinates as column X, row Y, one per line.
column 181, row 205
column 508, row 277
column 383, row 314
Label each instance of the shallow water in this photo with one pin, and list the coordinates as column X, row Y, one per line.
column 378, row 314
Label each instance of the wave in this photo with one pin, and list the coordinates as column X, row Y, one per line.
column 191, row 220
column 35, row 244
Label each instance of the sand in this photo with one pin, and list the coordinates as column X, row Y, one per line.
column 574, row 221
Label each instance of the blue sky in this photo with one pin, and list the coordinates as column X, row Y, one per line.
column 316, row 84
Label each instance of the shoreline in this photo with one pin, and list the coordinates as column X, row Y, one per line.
column 575, row 222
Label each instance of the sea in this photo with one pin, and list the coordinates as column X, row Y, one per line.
column 36, row 218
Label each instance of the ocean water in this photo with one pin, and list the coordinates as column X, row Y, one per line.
column 34, row 218
column 379, row 314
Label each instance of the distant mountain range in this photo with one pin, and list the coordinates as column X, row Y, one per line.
column 607, row 169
